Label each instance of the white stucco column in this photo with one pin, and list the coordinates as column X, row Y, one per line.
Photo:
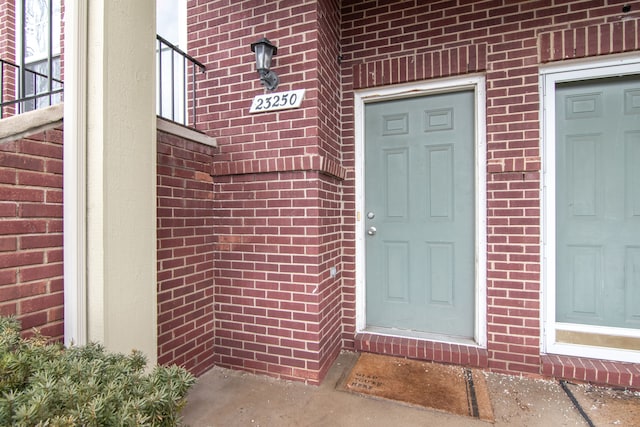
column 121, row 175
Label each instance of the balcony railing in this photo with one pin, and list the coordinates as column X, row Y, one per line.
column 176, row 83
column 23, row 90
column 15, row 79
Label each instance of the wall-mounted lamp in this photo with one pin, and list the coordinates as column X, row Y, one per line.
column 264, row 52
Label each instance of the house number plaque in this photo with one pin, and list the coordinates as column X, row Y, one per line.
column 277, row 101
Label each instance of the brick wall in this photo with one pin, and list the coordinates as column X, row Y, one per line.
column 7, row 52
column 31, row 239
column 397, row 42
column 277, row 185
column 62, row 24
column 282, row 211
column 330, row 231
column 185, row 253
column 31, row 257
column 7, row 29
column 275, row 172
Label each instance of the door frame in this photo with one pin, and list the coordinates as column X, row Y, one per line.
column 424, row 88
column 550, row 75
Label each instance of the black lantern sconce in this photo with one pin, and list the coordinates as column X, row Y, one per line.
column 264, row 52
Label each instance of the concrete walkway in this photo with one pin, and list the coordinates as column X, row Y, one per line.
column 235, row 398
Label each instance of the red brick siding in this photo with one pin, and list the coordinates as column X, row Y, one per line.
column 7, row 29
column 584, row 41
column 330, row 188
column 284, row 207
column 421, row 349
column 31, row 239
column 8, row 52
column 277, row 185
column 398, row 42
column 593, row 371
column 272, row 168
column 62, row 23
column 267, row 292
column 219, row 35
column 330, row 248
column 185, row 253
column 31, row 256
column 277, row 308
column 442, row 63
column 328, row 75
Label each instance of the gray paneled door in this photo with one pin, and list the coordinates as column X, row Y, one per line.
column 598, row 202
column 420, row 214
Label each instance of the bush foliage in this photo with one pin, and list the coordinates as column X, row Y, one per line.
column 43, row 384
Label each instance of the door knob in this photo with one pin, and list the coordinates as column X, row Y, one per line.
column 371, row 231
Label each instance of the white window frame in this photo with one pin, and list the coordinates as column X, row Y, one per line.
column 550, row 75
column 361, row 98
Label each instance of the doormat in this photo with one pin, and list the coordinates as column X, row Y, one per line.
column 454, row 389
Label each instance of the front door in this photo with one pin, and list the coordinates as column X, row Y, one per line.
column 420, row 214
column 598, row 204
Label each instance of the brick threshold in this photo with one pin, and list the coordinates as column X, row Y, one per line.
column 594, row 371
column 422, row 349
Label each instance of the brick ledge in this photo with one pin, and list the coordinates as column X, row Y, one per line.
column 318, row 163
column 420, row 349
column 601, row 372
column 184, row 132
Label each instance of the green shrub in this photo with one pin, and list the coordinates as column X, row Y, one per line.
column 44, row 384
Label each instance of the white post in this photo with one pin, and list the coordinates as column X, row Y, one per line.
column 121, row 176
column 74, row 180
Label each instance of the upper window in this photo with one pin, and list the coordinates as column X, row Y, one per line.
column 171, row 21
column 172, row 68
column 40, row 52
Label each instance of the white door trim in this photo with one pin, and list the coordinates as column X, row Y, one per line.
column 617, row 65
column 362, row 97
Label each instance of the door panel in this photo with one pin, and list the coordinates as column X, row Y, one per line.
column 397, row 272
column 396, row 170
column 440, row 183
column 632, row 285
column 440, row 277
column 419, row 197
column 597, row 202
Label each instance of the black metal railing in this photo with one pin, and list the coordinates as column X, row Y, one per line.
column 176, row 86
column 175, row 67
column 15, row 99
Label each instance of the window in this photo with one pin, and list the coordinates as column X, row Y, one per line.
column 40, row 52
column 172, row 69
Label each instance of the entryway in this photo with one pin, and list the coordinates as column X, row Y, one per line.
column 236, row 398
column 593, row 211
column 420, row 215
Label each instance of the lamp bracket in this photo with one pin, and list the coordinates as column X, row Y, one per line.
column 269, row 79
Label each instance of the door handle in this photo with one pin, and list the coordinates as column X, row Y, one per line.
column 372, row 231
